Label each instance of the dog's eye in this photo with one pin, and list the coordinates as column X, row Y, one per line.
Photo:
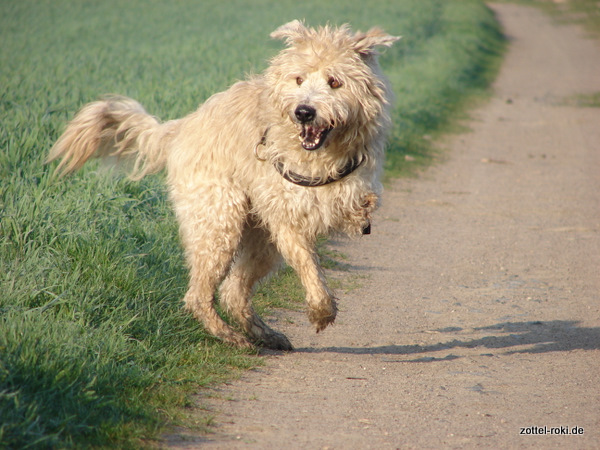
column 334, row 83
column 299, row 81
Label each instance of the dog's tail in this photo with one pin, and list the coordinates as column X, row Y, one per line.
column 118, row 128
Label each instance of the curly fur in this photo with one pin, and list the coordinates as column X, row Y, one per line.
column 238, row 216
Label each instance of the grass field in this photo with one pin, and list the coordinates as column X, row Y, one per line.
column 94, row 348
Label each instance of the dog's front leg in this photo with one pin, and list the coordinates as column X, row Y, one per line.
column 300, row 253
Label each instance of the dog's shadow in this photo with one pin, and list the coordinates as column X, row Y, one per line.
column 513, row 337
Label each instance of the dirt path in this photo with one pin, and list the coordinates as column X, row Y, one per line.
column 480, row 313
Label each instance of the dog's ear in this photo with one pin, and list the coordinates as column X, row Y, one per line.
column 292, row 32
column 365, row 43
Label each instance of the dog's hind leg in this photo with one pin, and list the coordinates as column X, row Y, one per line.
column 211, row 221
column 256, row 258
column 299, row 252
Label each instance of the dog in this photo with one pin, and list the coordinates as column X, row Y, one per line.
column 260, row 170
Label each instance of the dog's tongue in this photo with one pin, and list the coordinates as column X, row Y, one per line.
column 312, row 137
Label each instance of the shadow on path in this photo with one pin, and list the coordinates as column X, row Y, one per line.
column 543, row 337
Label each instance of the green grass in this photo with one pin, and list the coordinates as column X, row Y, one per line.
column 95, row 350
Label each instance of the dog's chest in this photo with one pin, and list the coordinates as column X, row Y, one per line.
column 313, row 210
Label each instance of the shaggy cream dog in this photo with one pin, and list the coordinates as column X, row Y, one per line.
column 260, row 170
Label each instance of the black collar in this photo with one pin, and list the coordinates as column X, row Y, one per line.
column 302, row 180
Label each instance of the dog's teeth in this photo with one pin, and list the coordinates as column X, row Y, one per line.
column 311, row 137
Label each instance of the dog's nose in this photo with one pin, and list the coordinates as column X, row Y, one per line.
column 305, row 113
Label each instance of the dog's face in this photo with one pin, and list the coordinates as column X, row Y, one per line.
column 327, row 81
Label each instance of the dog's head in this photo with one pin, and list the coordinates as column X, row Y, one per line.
column 327, row 81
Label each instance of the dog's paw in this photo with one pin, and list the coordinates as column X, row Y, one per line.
column 275, row 341
column 369, row 203
column 237, row 340
column 320, row 318
column 357, row 220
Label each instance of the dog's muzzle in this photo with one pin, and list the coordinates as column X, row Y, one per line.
column 312, row 137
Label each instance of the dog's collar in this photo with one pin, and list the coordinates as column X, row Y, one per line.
column 302, row 180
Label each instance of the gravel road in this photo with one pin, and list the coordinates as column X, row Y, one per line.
column 478, row 314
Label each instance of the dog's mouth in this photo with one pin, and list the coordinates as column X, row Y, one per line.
column 313, row 137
